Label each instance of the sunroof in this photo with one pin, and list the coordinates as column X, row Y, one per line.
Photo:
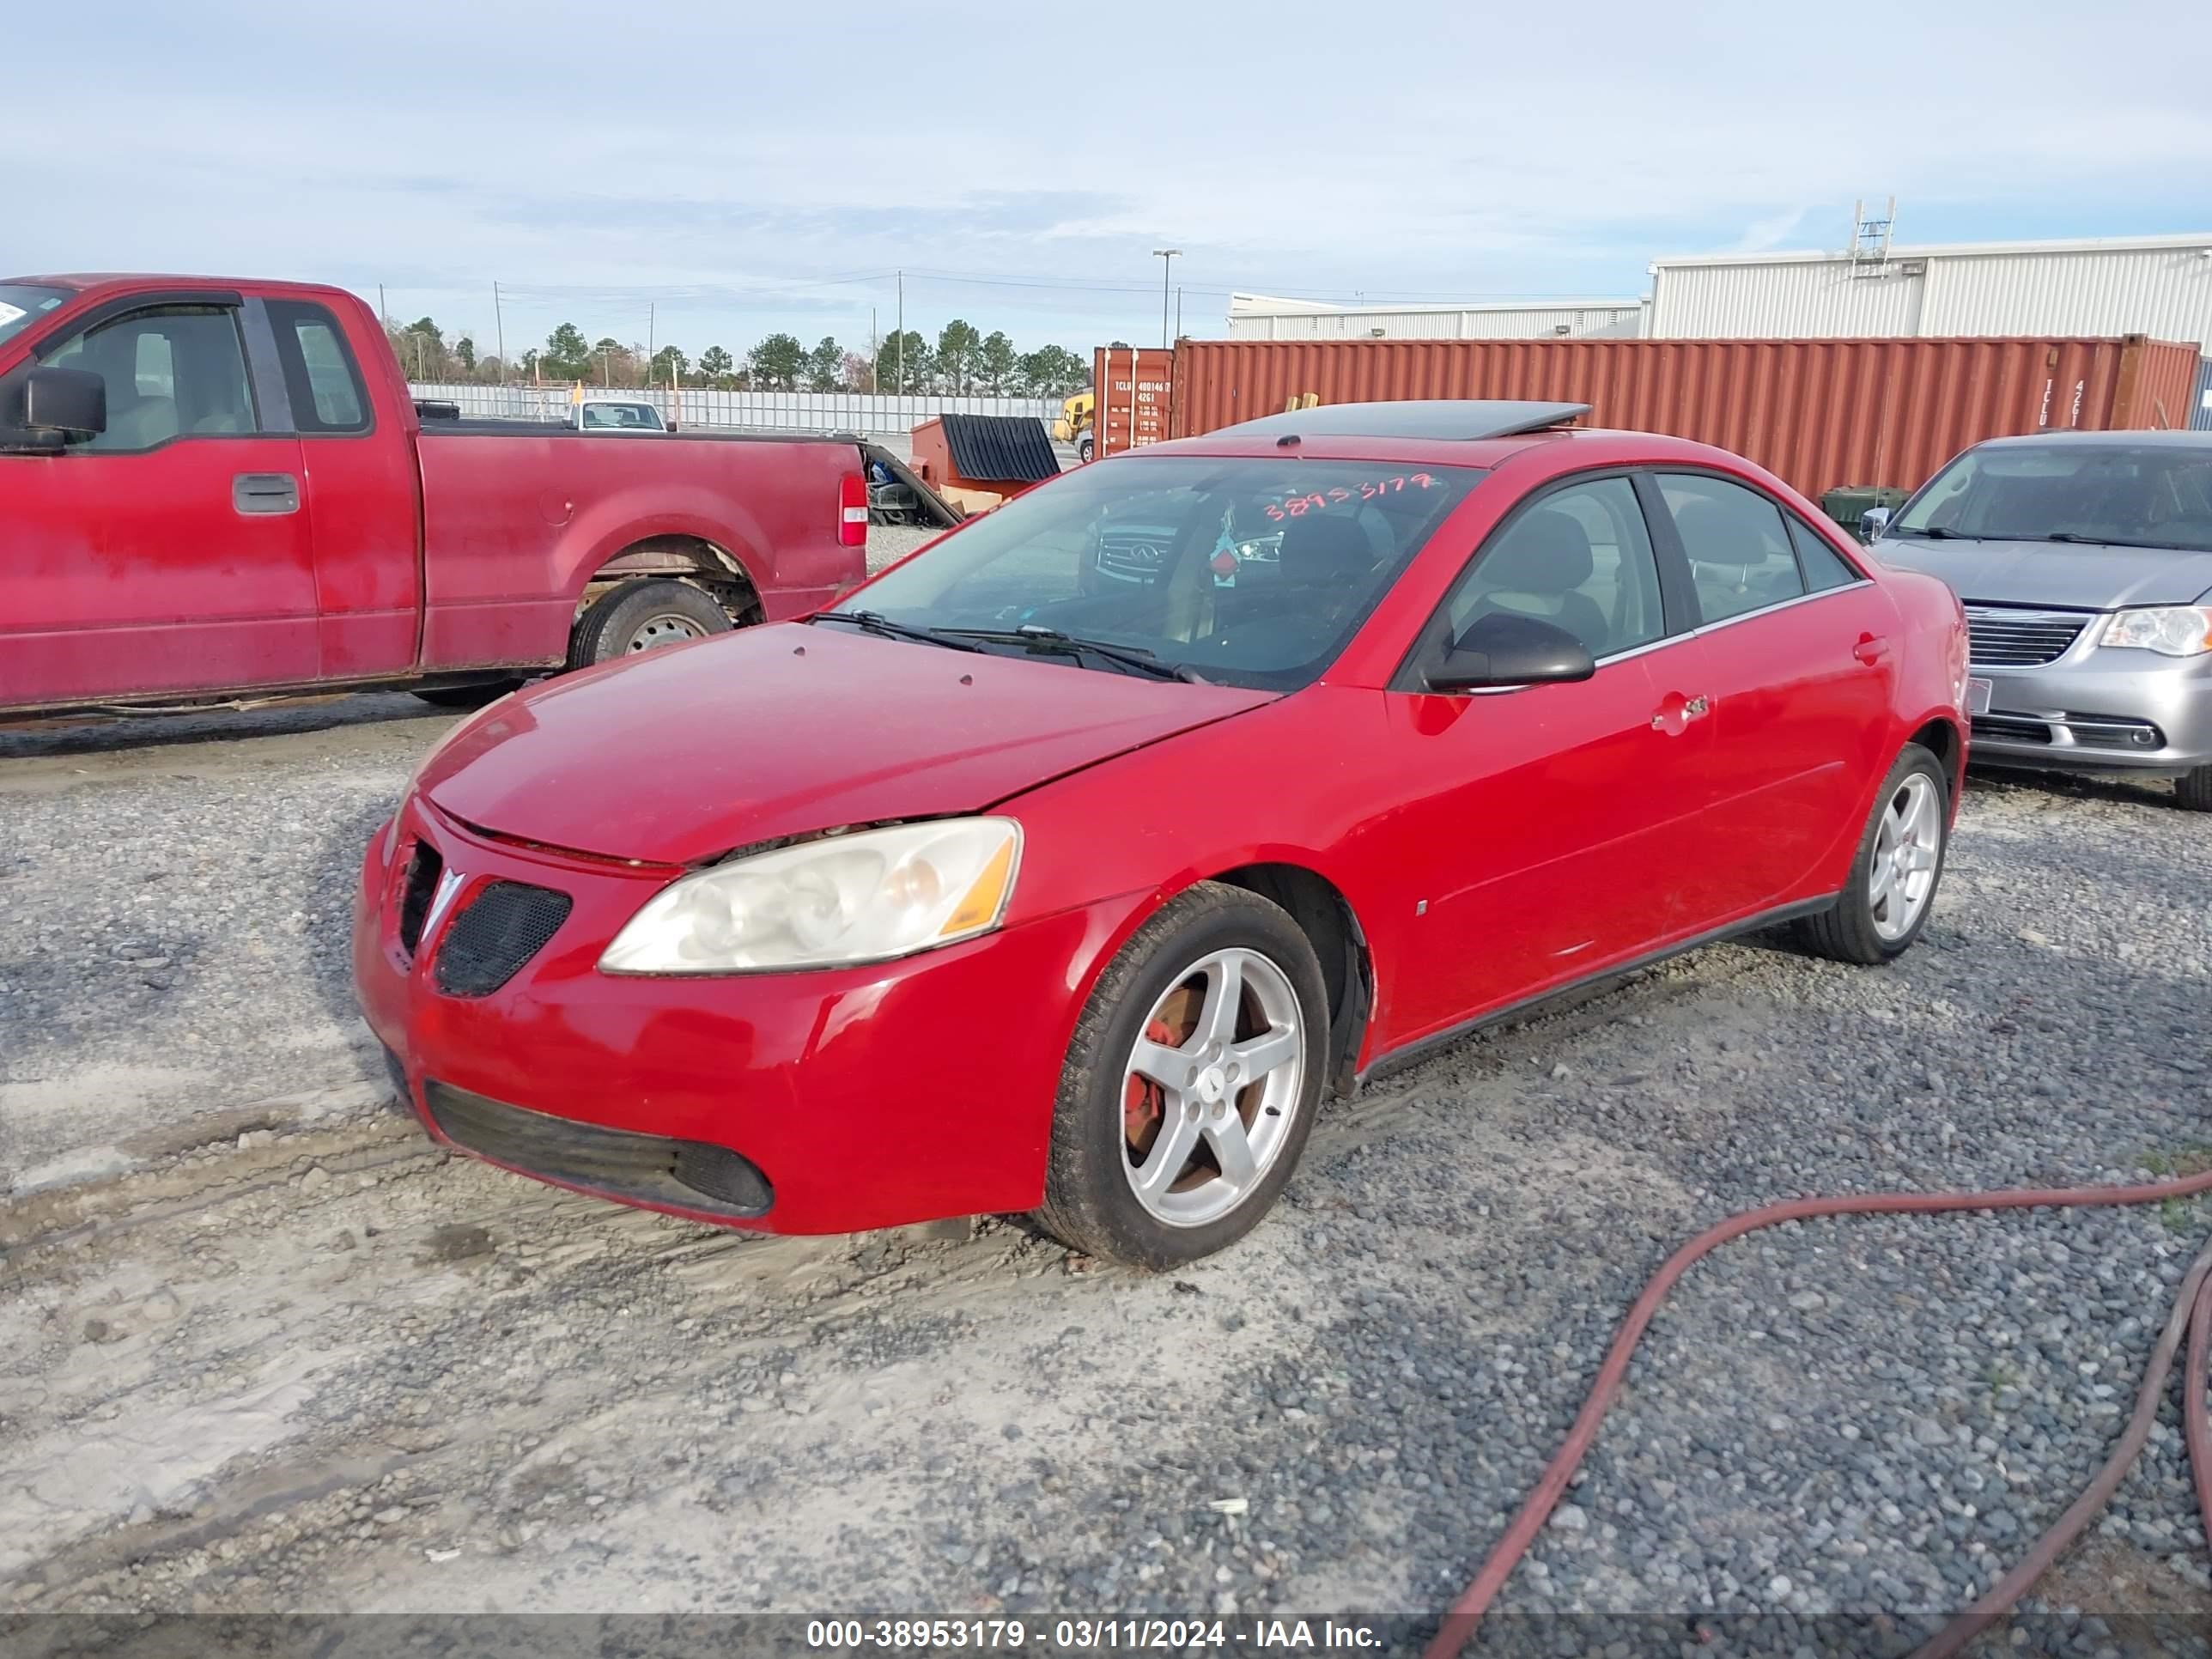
column 1447, row 418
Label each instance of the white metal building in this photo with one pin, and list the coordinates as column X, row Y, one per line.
column 2161, row 286
column 1260, row 316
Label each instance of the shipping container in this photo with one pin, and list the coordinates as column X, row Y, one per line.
column 1133, row 384
column 2199, row 412
column 1818, row 413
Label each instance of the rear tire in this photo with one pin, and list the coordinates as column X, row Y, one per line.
column 1883, row 905
column 2192, row 791
column 641, row 615
column 1085, row 447
column 1234, row 1114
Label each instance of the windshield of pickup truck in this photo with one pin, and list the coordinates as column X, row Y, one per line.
column 1245, row 572
column 2120, row 493
column 23, row 304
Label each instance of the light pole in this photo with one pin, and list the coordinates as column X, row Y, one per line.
column 1166, row 256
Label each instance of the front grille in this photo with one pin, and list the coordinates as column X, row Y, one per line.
column 1133, row 553
column 1998, row 637
column 423, row 869
column 2003, row 728
column 508, row 923
column 693, row 1175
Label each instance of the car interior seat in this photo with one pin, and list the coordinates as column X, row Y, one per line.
column 1730, row 558
column 1537, row 569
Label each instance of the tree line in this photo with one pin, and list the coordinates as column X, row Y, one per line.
column 962, row 361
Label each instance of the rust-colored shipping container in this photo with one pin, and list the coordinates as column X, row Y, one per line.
column 1133, row 386
column 1820, row 414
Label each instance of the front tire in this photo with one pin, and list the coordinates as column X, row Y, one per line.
column 1891, row 890
column 1191, row 1085
column 642, row 615
column 1085, row 447
column 2192, row 791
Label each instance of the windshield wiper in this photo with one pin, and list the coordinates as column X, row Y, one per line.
column 2076, row 539
column 876, row 622
column 1938, row 533
column 1135, row 658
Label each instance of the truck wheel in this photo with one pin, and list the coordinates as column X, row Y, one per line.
column 2193, row 790
column 642, row 615
column 1084, row 447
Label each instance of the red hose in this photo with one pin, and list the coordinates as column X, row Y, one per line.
column 2195, row 1295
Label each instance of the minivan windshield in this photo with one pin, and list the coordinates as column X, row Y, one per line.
column 23, row 304
column 2123, row 494
column 1246, row 572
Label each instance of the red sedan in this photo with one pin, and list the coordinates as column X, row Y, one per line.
column 1063, row 866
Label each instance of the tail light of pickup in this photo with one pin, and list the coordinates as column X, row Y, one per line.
column 852, row 511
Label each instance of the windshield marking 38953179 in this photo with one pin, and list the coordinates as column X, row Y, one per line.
column 1252, row 572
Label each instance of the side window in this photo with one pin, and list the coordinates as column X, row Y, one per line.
column 1581, row 557
column 172, row 371
column 1740, row 558
column 320, row 375
column 1823, row 567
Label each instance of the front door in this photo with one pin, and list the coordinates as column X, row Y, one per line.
column 170, row 553
column 1547, row 824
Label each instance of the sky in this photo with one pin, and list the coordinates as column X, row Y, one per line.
column 715, row 172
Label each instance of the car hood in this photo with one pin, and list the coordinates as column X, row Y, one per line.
column 680, row 755
column 2069, row 575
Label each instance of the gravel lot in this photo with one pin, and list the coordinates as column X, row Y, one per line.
column 262, row 1348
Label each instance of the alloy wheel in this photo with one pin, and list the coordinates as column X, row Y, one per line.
column 1901, row 873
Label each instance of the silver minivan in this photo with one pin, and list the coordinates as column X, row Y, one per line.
column 2084, row 559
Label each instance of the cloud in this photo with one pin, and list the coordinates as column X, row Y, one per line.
column 742, row 170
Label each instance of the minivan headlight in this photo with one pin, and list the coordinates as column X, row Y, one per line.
column 2172, row 631
column 867, row 896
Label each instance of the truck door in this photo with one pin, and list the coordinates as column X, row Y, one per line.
column 361, row 491
column 170, row 553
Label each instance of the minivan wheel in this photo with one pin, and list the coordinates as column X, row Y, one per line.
column 642, row 615
column 1893, row 884
column 1191, row 1085
column 2193, row 790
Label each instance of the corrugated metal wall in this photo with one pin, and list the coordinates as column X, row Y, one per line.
column 2200, row 413
column 1819, row 413
column 2166, row 293
column 1801, row 300
column 1432, row 323
column 2163, row 292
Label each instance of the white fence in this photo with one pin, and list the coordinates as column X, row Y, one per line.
column 802, row 411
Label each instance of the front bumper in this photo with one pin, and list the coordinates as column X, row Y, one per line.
column 2096, row 710
column 866, row 1097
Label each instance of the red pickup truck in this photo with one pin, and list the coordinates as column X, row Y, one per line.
column 212, row 487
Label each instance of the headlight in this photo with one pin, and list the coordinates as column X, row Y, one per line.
column 2172, row 631
column 862, row 897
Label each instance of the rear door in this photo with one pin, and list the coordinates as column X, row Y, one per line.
column 360, row 495
column 1548, row 825
column 170, row 553
column 1798, row 670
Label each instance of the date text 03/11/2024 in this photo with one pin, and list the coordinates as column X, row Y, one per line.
column 1087, row 1635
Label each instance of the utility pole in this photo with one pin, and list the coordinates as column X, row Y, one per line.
column 875, row 348
column 902, row 333
column 649, row 320
column 383, row 317
column 1178, row 334
column 1166, row 256
column 499, row 326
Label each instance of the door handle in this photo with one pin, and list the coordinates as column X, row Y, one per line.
column 1675, row 713
column 1870, row 649
column 265, row 493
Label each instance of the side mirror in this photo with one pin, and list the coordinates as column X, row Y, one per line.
column 42, row 410
column 1503, row 649
column 1873, row 522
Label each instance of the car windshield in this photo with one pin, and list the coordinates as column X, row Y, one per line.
column 1248, row 572
column 23, row 304
column 619, row 415
column 2127, row 494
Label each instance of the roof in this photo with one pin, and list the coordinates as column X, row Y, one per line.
column 2161, row 438
column 2183, row 240
column 1452, row 420
column 84, row 280
column 1267, row 305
